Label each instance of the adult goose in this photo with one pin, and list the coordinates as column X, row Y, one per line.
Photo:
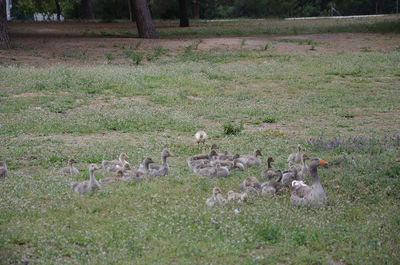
column 305, row 196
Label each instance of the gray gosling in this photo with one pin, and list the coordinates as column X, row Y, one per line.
column 87, row 186
column 3, row 169
column 216, row 199
column 70, row 170
column 237, row 197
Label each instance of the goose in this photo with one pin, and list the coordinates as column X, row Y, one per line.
column 3, row 169
column 272, row 187
column 270, row 172
column 237, row 197
column 201, row 159
column 250, row 186
column 119, row 177
column 216, row 199
column 237, row 165
column 70, row 170
column 251, row 160
column 304, row 195
column 296, row 157
column 143, row 169
column 221, row 171
column 87, row 186
column 114, row 165
column 304, row 171
column 200, row 137
column 205, row 170
column 160, row 170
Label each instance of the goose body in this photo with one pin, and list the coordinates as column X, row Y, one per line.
column 200, row 137
column 221, row 171
column 271, row 187
column 160, row 170
column 87, row 186
column 309, row 196
column 237, row 197
column 114, row 165
column 251, row 160
column 3, row 169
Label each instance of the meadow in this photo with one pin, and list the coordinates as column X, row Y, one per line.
column 341, row 105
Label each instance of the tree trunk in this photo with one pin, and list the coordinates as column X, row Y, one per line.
column 87, row 9
column 130, row 11
column 196, row 10
column 183, row 17
column 381, row 6
column 142, row 16
column 4, row 38
column 58, row 8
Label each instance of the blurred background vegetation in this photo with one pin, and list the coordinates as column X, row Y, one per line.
column 109, row 10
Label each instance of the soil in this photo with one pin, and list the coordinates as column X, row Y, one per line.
column 41, row 44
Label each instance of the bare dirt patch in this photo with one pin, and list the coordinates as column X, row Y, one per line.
column 84, row 44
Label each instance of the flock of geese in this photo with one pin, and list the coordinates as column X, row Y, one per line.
column 215, row 164
column 221, row 164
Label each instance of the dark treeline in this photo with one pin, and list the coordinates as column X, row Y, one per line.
column 209, row 9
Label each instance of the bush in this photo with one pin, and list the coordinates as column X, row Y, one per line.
column 233, row 129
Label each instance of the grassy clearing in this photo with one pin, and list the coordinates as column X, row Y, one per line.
column 273, row 102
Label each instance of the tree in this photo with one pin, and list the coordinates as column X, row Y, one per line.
column 196, row 10
column 87, row 9
column 58, row 9
column 142, row 16
column 183, row 17
column 4, row 38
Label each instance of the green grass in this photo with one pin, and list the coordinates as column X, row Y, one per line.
column 48, row 114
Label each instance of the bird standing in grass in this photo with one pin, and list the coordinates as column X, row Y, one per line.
column 200, row 137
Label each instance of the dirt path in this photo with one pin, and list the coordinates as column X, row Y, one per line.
column 47, row 44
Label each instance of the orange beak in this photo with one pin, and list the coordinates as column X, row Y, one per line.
column 323, row 162
column 251, row 183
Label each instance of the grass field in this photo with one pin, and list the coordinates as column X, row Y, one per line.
column 343, row 107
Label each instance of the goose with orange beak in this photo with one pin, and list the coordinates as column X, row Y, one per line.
column 306, row 196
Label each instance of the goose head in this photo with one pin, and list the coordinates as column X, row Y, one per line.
column 248, row 182
column 166, row 153
column 235, row 156
column 123, row 156
column 216, row 191
column 315, row 162
column 71, row 161
column 299, row 147
column 214, row 147
column 93, row 167
column 230, row 193
column 213, row 153
column 120, row 173
column 305, row 157
column 257, row 152
column 126, row 167
column 148, row 161
column 3, row 164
